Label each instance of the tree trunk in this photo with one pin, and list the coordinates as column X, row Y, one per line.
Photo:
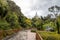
column 58, row 27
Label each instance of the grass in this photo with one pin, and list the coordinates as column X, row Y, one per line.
column 49, row 35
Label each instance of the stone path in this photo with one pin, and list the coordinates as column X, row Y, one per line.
column 24, row 35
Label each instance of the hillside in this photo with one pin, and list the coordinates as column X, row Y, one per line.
column 10, row 13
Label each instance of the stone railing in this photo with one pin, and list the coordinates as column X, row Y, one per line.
column 38, row 37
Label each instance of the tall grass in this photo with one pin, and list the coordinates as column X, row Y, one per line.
column 49, row 35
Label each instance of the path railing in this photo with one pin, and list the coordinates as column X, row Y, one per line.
column 38, row 37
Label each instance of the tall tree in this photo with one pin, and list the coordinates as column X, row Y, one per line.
column 55, row 9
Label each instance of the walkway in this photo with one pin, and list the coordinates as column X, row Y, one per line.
column 24, row 35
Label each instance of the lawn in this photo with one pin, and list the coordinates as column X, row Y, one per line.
column 49, row 35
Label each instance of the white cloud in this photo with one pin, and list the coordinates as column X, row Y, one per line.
column 29, row 7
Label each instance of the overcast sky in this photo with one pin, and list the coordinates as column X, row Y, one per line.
column 30, row 7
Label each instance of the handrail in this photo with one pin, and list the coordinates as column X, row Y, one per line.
column 38, row 37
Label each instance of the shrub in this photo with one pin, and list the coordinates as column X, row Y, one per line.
column 33, row 30
column 4, row 25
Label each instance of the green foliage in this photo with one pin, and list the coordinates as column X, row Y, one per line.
column 49, row 35
column 37, row 23
column 28, row 23
column 4, row 25
column 9, row 15
column 3, row 11
column 50, row 24
column 33, row 30
column 55, row 9
column 58, row 24
column 58, row 19
column 25, row 22
column 12, row 19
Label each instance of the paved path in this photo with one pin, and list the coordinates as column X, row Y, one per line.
column 24, row 35
column 31, row 36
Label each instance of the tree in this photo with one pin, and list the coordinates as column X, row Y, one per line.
column 21, row 21
column 12, row 19
column 58, row 23
column 37, row 23
column 28, row 23
column 3, row 11
column 55, row 9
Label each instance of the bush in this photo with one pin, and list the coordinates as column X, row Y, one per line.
column 4, row 25
column 33, row 30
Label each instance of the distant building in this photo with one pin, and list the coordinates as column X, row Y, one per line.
column 36, row 16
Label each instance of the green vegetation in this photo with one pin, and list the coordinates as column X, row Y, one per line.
column 49, row 35
column 37, row 22
column 4, row 25
column 11, row 16
column 12, row 20
column 33, row 30
column 55, row 9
